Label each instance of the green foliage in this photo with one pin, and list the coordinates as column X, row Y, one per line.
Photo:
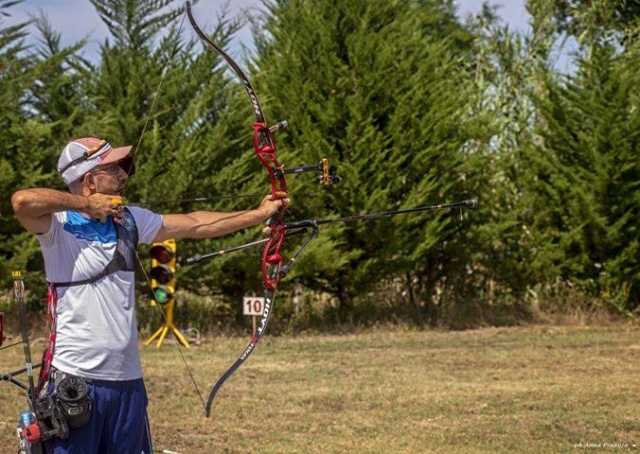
column 588, row 177
column 383, row 87
column 411, row 106
column 134, row 24
column 589, row 21
column 16, row 130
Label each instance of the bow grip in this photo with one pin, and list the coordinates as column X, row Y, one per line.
column 275, row 219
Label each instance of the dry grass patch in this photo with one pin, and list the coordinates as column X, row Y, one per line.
column 524, row 390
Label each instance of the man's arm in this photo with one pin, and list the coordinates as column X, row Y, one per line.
column 210, row 224
column 34, row 207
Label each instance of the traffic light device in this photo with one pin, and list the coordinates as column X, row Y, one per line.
column 163, row 285
column 163, row 270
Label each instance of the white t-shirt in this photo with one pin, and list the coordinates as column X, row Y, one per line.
column 96, row 335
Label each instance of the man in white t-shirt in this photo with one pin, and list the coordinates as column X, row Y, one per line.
column 88, row 241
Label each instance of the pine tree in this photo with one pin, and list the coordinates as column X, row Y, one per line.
column 509, row 71
column 586, row 173
column 377, row 87
column 16, row 69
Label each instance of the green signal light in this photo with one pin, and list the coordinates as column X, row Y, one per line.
column 161, row 295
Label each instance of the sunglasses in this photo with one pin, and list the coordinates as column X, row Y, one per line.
column 125, row 165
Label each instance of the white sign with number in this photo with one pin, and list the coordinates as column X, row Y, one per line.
column 252, row 305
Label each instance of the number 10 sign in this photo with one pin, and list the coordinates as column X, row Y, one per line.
column 252, row 305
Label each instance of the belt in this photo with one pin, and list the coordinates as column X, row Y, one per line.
column 58, row 375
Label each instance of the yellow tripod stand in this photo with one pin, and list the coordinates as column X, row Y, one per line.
column 161, row 333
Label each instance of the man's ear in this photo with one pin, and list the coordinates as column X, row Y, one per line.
column 89, row 181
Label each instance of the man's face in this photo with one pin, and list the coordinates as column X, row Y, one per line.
column 109, row 179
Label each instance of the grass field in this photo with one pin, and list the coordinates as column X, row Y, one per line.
column 512, row 390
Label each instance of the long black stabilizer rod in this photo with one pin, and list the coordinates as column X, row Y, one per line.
column 11, row 345
column 18, row 290
column 471, row 203
column 9, row 377
column 300, row 227
column 202, row 257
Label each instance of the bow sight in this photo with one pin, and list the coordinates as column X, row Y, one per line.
column 326, row 177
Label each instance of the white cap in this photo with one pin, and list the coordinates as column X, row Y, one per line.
column 82, row 155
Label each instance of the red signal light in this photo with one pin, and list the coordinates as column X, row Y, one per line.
column 162, row 253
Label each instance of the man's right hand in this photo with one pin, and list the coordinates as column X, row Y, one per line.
column 100, row 206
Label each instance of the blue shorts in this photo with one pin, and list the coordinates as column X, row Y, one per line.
column 118, row 423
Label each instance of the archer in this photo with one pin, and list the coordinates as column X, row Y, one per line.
column 88, row 239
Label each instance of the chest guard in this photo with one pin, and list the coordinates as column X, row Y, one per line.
column 124, row 258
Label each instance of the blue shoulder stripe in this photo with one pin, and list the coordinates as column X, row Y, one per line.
column 90, row 229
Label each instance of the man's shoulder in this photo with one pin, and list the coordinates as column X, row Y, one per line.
column 147, row 223
column 140, row 212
